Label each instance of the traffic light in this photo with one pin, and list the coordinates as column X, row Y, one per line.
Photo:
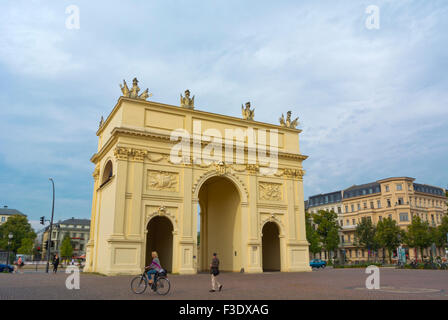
column 42, row 220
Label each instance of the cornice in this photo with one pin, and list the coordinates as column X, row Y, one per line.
column 119, row 131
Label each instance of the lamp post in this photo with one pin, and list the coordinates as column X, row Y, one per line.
column 50, row 231
column 10, row 236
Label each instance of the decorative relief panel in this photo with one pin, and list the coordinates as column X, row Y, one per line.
column 162, row 181
column 270, row 191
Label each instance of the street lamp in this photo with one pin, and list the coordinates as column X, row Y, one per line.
column 10, row 236
column 50, row 231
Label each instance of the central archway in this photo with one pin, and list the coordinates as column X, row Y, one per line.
column 220, row 224
column 160, row 239
column 271, row 247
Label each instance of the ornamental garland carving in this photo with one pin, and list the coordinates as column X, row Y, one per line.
column 123, row 153
column 270, row 191
column 291, row 173
column 162, row 180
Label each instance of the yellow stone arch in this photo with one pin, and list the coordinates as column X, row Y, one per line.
column 147, row 183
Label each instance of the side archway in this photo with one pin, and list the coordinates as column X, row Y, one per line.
column 159, row 238
column 271, row 247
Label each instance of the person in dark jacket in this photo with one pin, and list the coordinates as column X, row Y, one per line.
column 214, row 271
column 55, row 263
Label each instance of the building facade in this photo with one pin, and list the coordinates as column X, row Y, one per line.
column 6, row 213
column 399, row 198
column 144, row 201
column 77, row 229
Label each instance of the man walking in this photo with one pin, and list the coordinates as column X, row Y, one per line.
column 214, row 271
column 55, row 263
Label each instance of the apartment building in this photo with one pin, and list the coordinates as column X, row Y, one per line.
column 399, row 198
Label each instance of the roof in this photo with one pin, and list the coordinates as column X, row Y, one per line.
column 426, row 188
column 75, row 221
column 326, row 198
column 9, row 212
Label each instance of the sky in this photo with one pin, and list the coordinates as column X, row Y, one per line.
column 372, row 102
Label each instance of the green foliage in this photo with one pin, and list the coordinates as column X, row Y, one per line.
column 388, row 235
column 443, row 231
column 419, row 234
column 365, row 236
column 352, row 266
column 26, row 247
column 66, row 247
column 311, row 235
column 327, row 229
column 19, row 226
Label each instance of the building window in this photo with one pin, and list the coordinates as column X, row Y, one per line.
column 399, row 187
column 365, row 205
column 387, row 188
column 339, row 210
column 354, row 222
column 353, row 208
column 378, row 204
column 3, row 219
column 381, row 218
column 107, row 173
column 346, row 208
column 404, row 216
column 400, row 201
column 359, row 206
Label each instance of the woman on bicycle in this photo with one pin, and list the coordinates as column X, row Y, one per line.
column 154, row 267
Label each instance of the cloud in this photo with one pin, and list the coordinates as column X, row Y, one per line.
column 372, row 103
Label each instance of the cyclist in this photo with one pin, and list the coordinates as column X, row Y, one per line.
column 154, row 267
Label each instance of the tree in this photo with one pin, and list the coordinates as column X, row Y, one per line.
column 443, row 231
column 388, row 235
column 419, row 235
column 311, row 235
column 26, row 247
column 365, row 236
column 19, row 226
column 66, row 247
column 327, row 229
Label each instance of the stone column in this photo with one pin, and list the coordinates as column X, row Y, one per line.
column 136, row 215
column 91, row 243
column 187, row 242
column 121, row 154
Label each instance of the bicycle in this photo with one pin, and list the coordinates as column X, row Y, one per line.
column 161, row 284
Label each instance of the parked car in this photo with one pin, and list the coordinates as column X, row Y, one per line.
column 8, row 267
column 317, row 263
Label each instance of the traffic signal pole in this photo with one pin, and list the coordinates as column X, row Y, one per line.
column 50, row 233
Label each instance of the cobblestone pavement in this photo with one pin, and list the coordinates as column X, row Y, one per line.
column 323, row 284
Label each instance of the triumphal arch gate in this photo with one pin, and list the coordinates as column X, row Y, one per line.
column 187, row 183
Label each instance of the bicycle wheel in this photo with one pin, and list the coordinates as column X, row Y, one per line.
column 163, row 286
column 139, row 284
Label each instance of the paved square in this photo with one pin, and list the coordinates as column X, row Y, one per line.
column 323, row 284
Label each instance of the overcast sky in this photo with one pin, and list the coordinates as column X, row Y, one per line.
column 372, row 103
